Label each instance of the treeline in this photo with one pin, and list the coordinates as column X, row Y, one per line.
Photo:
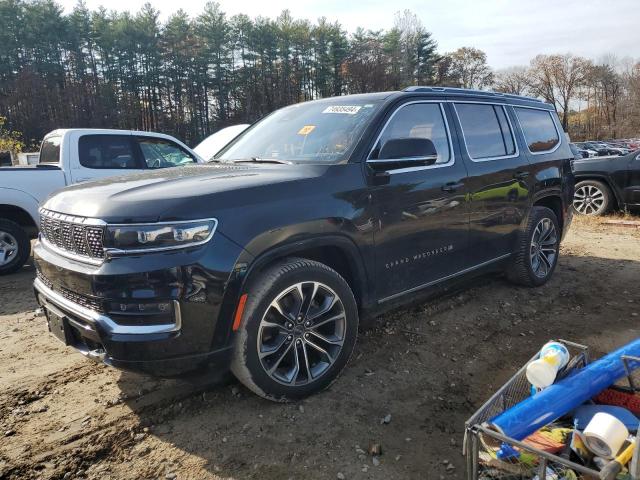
column 188, row 76
column 595, row 100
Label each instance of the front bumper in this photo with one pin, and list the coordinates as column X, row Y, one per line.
column 195, row 333
column 96, row 336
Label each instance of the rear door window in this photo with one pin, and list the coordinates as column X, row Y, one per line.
column 486, row 130
column 114, row 152
column 162, row 153
column 538, row 128
column 50, row 150
column 418, row 120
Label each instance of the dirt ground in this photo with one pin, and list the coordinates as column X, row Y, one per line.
column 428, row 367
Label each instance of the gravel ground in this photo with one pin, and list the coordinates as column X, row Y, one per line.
column 412, row 382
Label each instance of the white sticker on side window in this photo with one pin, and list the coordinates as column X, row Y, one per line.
column 347, row 109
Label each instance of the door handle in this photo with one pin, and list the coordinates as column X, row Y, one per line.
column 520, row 175
column 452, row 186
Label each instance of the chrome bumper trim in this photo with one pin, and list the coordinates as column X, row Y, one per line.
column 104, row 321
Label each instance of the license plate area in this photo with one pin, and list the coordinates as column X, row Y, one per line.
column 58, row 324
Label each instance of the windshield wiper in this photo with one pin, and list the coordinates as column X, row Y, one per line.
column 262, row 160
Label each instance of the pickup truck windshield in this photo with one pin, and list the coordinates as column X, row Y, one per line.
column 313, row 132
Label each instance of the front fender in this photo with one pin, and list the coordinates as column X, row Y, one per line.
column 344, row 243
column 250, row 262
column 22, row 200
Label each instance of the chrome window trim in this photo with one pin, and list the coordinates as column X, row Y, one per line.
column 464, row 138
column 452, row 158
column 117, row 252
column 93, row 317
column 555, row 125
column 406, row 159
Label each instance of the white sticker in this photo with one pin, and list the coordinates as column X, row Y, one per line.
column 347, row 109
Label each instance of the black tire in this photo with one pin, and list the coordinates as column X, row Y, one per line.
column 262, row 290
column 523, row 267
column 592, row 197
column 19, row 257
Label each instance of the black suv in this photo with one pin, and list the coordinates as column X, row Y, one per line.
column 319, row 216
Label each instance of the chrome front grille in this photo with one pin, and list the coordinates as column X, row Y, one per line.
column 81, row 236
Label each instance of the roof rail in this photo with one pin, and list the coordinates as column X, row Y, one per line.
column 470, row 91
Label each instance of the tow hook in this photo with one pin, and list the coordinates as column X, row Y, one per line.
column 97, row 354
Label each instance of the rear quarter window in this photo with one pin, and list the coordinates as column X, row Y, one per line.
column 539, row 129
column 50, row 150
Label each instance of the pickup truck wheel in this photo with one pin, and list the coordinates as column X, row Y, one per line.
column 297, row 332
column 537, row 251
column 592, row 197
column 14, row 247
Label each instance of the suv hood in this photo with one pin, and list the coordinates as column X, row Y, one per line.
column 177, row 193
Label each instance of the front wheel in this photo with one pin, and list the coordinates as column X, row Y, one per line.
column 297, row 332
column 537, row 251
column 14, row 247
column 592, row 197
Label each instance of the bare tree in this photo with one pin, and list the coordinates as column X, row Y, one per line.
column 557, row 78
column 512, row 80
column 631, row 102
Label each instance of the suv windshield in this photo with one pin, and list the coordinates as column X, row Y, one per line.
column 321, row 131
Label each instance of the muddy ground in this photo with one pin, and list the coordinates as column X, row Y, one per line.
column 428, row 367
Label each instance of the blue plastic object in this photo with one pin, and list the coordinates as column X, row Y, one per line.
column 557, row 400
column 583, row 415
column 506, row 452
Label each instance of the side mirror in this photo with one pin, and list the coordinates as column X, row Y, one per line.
column 405, row 152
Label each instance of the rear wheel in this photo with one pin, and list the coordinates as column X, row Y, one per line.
column 14, row 247
column 592, row 197
column 536, row 256
column 297, row 332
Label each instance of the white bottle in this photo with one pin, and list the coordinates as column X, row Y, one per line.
column 542, row 372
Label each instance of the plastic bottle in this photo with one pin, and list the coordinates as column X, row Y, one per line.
column 542, row 372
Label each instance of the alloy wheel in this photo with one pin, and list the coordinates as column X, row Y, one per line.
column 301, row 334
column 8, row 248
column 543, row 251
column 588, row 200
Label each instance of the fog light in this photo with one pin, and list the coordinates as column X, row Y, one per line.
column 150, row 308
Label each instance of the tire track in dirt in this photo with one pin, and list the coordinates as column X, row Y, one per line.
column 74, row 444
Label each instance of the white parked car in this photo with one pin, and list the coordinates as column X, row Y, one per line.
column 210, row 146
column 68, row 157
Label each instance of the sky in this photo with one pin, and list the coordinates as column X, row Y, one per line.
column 511, row 32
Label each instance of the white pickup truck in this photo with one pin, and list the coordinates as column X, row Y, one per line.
column 72, row 156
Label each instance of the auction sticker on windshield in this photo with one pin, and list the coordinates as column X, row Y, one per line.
column 348, row 109
column 306, row 130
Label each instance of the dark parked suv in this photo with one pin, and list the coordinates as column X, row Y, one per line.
column 319, row 216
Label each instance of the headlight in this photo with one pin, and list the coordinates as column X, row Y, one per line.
column 155, row 237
